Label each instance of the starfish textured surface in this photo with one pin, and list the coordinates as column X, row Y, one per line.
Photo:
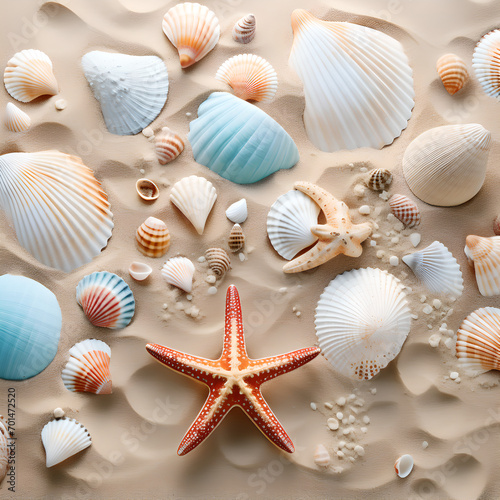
column 338, row 236
column 233, row 380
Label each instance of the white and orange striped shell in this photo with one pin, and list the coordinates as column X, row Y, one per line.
column 29, row 75
column 168, row 145
column 88, row 368
column 486, row 63
column 244, row 29
column 251, row 77
column 179, row 272
column 485, row 254
column 453, row 72
column 321, row 456
column 16, row 120
column 193, row 29
column 405, row 210
column 153, row 237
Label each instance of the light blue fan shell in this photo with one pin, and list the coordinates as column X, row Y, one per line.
column 239, row 141
column 30, row 326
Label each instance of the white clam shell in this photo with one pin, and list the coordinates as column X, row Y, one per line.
column 58, row 209
column 486, row 63
column 289, row 223
column 16, row 120
column 446, row 166
column 404, row 465
column 64, row 438
column 362, row 321
column 438, row 270
column 238, row 211
column 179, row 272
column 132, row 90
column 194, row 197
column 357, row 82
column 139, row 271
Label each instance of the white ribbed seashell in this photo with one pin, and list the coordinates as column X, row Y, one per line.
column 251, row 77
column 289, row 223
column 16, row 120
column 438, row 270
column 88, row 368
column 194, row 196
column 446, row 166
column 379, row 179
column 131, row 90
column 238, row 211
column 486, row 63
column 153, row 237
column 179, row 272
column 478, row 341
column 59, row 211
column 321, row 456
column 362, row 321
column 244, row 29
column 218, row 260
column 139, row 271
column 29, row 75
column 4, row 449
column 405, row 210
column 357, row 82
column 453, row 72
column 64, row 438
column 404, row 465
column 485, row 254
column 193, row 29
column 169, row 146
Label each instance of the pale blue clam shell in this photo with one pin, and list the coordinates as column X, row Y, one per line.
column 239, row 141
column 30, row 326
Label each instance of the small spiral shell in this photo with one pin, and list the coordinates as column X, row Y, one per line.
column 244, row 29
column 218, row 261
column 236, row 239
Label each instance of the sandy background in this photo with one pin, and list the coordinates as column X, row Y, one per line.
column 137, row 429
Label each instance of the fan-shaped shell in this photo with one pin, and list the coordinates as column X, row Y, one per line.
column 289, row 223
column 244, row 29
column 251, row 77
column 478, row 340
column 106, row 300
column 194, row 197
column 193, row 29
column 357, row 83
column 4, row 449
column 446, row 166
column 131, row 90
column 153, row 237
column 379, row 179
column 362, row 321
column 485, row 254
column 64, row 438
column 453, row 72
column 436, row 267
column 486, row 63
column 29, row 75
column 321, row 456
column 239, row 141
column 30, row 325
column 236, row 239
column 169, row 146
column 238, row 211
column 16, row 120
column 405, row 210
column 179, row 272
column 58, row 209
column 139, row 271
column 88, row 368
column 404, row 466
column 218, row 260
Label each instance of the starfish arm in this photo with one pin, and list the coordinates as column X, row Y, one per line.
column 317, row 255
column 325, row 200
column 201, row 369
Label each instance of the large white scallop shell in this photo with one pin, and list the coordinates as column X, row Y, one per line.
column 59, row 211
column 193, row 29
column 194, row 196
column 16, row 120
column 446, row 166
column 485, row 254
column 251, row 77
column 438, row 270
column 289, row 223
column 179, row 272
column 29, row 75
column 132, row 90
column 486, row 63
column 64, row 438
column 357, row 82
column 362, row 321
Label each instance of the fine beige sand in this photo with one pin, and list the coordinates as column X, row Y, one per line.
column 137, row 429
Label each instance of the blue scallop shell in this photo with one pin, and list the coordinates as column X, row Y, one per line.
column 239, row 141
column 30, row 326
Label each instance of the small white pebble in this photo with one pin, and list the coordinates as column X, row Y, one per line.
column 451, row 333
column 364, row 430
column 414, row 316
column 329, row 406
column 340, row 415
column 58, row 413
column 373, row 243
column 61, row 104
column 380, row 254
column 443, row 328
column 434, row 340
column 351, row 419
column 457, row 380
column 211, row 279
column 189, row 297
column 242, row 257
column 448, row 343
column 345, row 420
column 376, row 236
column 340, row 454
column 362, row 169
column 425, row 445
column 201, row 259
column 298, row 314
column 283, row 289
column 359, row 190
column 188, row 114
column 436, row 303
column 429, row 326
column 142, row 171
column 341, row 401
column 384, row 195
column 212, row 290
column 374, row 390
column 342, row 444
column 179, row 306
column 366, row 419
column 415, row 239
column 148, row 132
column 351, row 397
column 423, row 298
column 364, row 210
column 333, row 424
column 294, row 308
column 351, row 165
column 350, row 446
column 453, row 375
column 395, row 240
column 194, row 312
column 314, row 406
column 394, row 261
column 165, row 306
column 346, row 431
column 359, row 450
column 427, row 309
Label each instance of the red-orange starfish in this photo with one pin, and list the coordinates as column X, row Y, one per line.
column 234, row 380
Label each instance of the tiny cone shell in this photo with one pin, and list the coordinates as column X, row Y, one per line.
column 16, row 120
column 153, row 237
column 379, row 179
column 218, row 261
column 244, row 29
column 169, row 146
column 236, row 239
column 405, row 210
column 147, row 189
column 453, row 72
column 321, row 456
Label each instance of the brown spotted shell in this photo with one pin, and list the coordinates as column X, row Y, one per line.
column 218, row 261
column 405, row 210
column 153, row 237
column 379, row 179
column 236, row 239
